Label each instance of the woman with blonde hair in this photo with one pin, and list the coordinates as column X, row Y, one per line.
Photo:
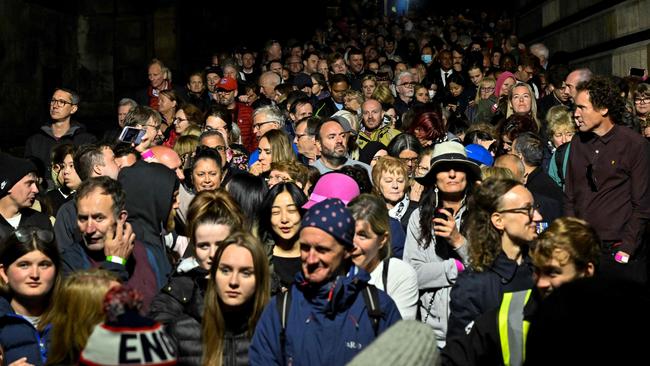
column 212, row 217
column 238, row 292
column 383, row 95
column 481, row 109
column 76, row 312
column 274, row 146
column 390, row 180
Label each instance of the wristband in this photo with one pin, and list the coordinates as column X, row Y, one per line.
column 620, row 258
column 147, row 154
column 116, row 259
column 459, row 265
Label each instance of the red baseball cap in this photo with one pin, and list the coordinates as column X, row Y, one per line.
column 228, row 84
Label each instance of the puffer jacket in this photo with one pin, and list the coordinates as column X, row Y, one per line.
column 179, row 308
column 19, row 338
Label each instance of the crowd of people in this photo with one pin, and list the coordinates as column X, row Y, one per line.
column 427, row 190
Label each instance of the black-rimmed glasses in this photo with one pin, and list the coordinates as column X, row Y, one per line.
column 60, row 102
column 257, row 126
column 528, row 210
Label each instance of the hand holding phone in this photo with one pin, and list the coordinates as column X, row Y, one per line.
column 132, row 135
column 444, row 226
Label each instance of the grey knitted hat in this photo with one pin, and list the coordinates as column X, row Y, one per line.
column 407, row 343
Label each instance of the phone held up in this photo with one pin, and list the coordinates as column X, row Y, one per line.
column 440, row 215
column 132, row 135
column 634, row 71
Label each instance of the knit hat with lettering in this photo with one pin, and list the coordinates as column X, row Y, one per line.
column 13, row 169
column 127, row 337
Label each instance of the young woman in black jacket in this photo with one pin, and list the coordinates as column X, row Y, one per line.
column 212, row 216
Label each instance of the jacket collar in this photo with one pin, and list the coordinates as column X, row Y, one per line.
column 335, row 295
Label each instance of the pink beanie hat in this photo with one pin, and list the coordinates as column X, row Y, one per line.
column 333, row 185
column 502, row 78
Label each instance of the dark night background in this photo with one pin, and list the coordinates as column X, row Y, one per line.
column 101, row 48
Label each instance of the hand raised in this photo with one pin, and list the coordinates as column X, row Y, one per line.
column 119, row 240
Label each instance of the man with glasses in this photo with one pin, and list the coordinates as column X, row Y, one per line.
column 145, row 118
column 241, row 113
column 265, row 119
column 405, row 87
column 608, row 179
column 305, row 140
column 60, row 130
column 18, row 190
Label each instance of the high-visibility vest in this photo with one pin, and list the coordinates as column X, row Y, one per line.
column 513, row 329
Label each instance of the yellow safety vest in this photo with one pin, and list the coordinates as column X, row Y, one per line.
column 513, row 329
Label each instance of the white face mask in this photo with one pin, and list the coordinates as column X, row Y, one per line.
column 432, row 93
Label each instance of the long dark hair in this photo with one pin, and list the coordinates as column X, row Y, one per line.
column 297, row 195
column 430, row 202
column 249, row 191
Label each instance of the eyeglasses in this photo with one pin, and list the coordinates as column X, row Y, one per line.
column 641, row 100
column 60, row 102
column 409, row 161
column 220, row 148
column 155, row 127
column 26, row 234
column 526, row 210
column 179, row 120
column 257, row 126
column 483, row 89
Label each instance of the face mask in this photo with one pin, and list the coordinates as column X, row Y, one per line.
column 432, row 93
column 427, row 59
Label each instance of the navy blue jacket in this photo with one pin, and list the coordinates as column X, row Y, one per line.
column 327, row 324
column 19, row 338
column 476, row 293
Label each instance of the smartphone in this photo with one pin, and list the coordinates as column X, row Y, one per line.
column 634, row 71
column 440, row 215
column 132, row 135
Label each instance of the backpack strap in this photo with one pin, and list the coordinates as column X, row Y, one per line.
column 384, row 274
column 371, row 298
column 283, row 303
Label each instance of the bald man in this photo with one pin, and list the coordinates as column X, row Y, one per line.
column 512, row 163
column 169, row 158
column 374, row 128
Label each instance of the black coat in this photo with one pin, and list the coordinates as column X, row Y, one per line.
column 29, row 217
column 179, row 307
column 476, row 293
